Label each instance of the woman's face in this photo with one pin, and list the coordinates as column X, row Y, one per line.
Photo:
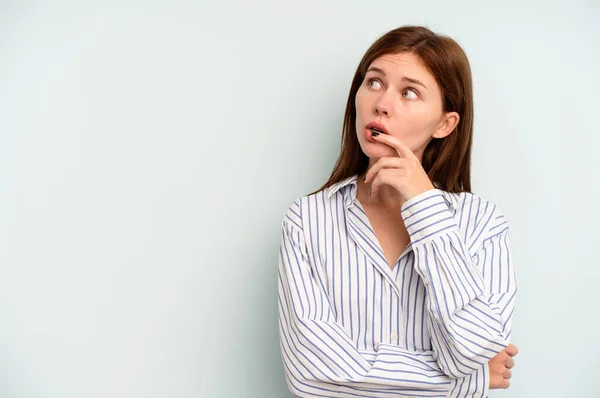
column 400, row 94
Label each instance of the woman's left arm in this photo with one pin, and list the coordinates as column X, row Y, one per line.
column 469, row 278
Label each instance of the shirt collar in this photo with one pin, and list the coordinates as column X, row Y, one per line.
column 333, row 189
column 450, row 198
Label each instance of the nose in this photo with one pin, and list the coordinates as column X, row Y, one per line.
column 383, row 106
column 380, row 110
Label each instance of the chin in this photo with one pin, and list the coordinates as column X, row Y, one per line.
column 376, row 152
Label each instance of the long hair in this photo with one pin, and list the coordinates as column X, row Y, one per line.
column 447, row 161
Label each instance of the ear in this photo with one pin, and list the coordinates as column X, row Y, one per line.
column 447, row 125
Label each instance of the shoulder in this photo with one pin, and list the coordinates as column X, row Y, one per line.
column 302, row 207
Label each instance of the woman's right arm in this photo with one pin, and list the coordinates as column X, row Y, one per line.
column 319, row 357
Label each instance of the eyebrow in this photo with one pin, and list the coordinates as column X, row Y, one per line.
column 404, row 78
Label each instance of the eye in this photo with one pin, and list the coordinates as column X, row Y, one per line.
column 415, row 93
column 370, row 81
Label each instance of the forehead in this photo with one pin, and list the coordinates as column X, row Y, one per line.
column 404, row 64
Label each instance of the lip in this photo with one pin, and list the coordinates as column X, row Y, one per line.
column 378, row 126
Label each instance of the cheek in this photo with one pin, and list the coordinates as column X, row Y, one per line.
column 357, row 102
column 359, row 105
column 360, row 101
column 419, row 122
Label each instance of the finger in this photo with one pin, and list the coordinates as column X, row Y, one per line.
column 507, row 374
column 510, row 363
column 512, row 350
column 382, row 163
column 396, row 143
column 386, row 176
column 502, row 383
column 501, row 356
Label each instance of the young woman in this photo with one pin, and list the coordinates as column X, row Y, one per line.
column 394, row 279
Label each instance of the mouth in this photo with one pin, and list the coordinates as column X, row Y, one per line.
column 377, row 127
column 374, row 127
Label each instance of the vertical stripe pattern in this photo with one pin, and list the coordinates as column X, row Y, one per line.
column 351, row 326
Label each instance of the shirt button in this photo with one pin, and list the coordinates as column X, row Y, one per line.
column 394, row 337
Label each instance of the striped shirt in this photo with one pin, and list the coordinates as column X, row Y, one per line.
column 351, row 326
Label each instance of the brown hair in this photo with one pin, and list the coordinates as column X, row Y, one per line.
column 447, row 161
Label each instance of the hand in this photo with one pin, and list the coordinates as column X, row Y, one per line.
column 405, row 172
column 500, row 367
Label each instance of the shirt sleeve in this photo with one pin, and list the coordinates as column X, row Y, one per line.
column 319, row 357
column 469, row 279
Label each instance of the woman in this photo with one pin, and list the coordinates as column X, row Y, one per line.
column 394, row 279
